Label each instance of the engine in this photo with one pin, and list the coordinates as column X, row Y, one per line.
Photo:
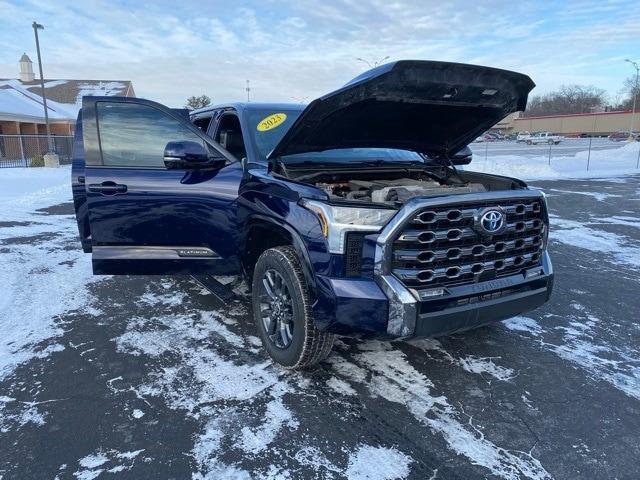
column 395, row 192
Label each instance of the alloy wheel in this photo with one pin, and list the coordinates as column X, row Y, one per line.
column 276, row 309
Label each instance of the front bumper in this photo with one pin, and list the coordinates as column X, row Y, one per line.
column 386, row 308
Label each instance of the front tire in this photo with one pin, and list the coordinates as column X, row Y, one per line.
column 282, row 311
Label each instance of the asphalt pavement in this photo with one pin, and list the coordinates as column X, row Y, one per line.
column 151, row 377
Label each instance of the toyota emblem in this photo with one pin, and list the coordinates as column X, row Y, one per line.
column 490, row 221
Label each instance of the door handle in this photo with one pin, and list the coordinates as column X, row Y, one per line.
column 107, row 188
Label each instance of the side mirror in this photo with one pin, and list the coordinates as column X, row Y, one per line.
column 462, row 156
column 188, row 154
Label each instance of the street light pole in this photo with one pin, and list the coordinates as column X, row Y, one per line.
column 635, row 94
column 36, row 26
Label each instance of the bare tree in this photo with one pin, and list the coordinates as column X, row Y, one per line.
column 566, row 100
column 194, row 102
column 629, row 88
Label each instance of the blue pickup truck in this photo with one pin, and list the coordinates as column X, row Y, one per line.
column 347, row 216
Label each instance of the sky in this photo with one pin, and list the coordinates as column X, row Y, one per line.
column 297, row 51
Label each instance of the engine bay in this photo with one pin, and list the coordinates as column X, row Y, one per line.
column 394, row 191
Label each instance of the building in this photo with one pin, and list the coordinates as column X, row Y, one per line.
column 597, row 124
column 21, row 106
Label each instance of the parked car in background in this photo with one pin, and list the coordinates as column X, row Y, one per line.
column 623, row 136
column 486, row 137
column 522, row 137
column 544, row 137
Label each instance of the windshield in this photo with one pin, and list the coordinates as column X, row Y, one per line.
column 268, row 126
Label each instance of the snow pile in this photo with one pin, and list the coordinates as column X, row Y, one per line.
column 602, row 163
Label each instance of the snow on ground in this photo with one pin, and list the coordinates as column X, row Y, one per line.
column 112, row 461
column 621, row 249
column 396, row 380
column 42, row 279
column 602, row 163
column 375, row 463
column 614, row 362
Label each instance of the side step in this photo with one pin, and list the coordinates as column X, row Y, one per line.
column 221, row 291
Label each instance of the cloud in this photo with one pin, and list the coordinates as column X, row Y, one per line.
column 306, row 48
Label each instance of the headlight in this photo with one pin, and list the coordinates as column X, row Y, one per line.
column 336, row 221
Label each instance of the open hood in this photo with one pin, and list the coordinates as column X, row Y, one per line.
column 434, row 108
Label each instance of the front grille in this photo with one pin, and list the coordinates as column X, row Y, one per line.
column 439, row 246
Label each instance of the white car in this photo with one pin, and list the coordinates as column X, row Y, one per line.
column 523, row 137
column 544, row 137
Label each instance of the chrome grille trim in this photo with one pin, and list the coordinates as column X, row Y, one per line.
column 414, row 255
column 403, row 299
column 436, row 243
column 443, row 272
column 412, row 236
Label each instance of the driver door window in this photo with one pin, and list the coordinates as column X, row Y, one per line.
column 135, row 135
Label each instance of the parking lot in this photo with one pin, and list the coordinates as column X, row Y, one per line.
column 150, row 377
column 567, row 147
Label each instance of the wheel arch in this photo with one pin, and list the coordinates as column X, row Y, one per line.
column 262, row 233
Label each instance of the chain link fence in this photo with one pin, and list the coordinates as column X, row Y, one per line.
column 566, row 156
column 29, row 150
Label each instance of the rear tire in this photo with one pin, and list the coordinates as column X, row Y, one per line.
column 282, row 311
column 529, row 142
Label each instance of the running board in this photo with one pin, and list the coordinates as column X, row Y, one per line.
column 222, row 292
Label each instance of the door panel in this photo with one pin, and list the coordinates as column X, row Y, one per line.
column 145, row 218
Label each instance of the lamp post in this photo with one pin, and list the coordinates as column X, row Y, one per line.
column 635, row 94
column 36, row 26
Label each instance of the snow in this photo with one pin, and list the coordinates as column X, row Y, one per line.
column 613, row 362
column 397, row 381
column 27, row 414
column 18, row 100
column 523, row 324
column 340, row 386
column 276, row 416
column 93, row 465
column 603, row 163
column 621, row 249
column 41, row 279
column 470, row 363
column 377, row 463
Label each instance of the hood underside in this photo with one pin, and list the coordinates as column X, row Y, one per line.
column 435, row 108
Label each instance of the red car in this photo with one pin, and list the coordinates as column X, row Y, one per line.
column 623, row 136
